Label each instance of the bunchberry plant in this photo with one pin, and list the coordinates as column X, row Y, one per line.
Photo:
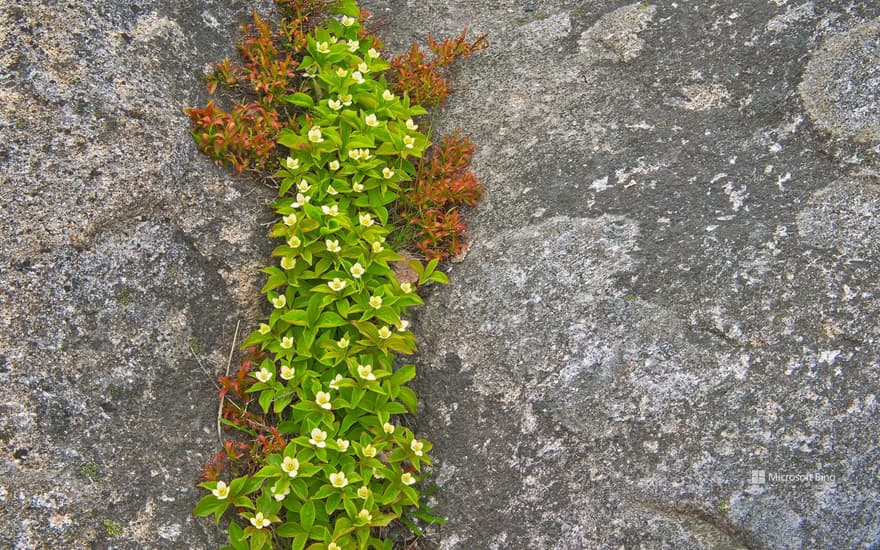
column 323, row 460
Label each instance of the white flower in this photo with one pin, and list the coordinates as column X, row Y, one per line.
column 406, row 287
column 333, row 546
column 342, row 445
column 323, row 47
column 334, row 165
column 370, row 451
column 315, row 135
column 347, row 21
column 387, row 95
column 222, row 490
column 264, row 328
column 334, row 104
column 366, row 372
column 330, row 211
column 377, row 247
column 263, row 375
column 357, row 187
column 333, row 39
column 318, row 438
column 280, row 496
column 357, row 77
column 301, row 200
column 334, row 384
column 353, row 45
column 345, row 99
column 289, row 219
column 294, row 241
column 388, row 428
column 385, row 333
column 287, row 372
column 342, row 343
column 288, row 262
column 332, row 245
column 377, row 474
column 279, row 301
column 336, row 284
column 411, row 125
column 354, row 154
column 364, row 492
column 357, row 270
column 332, row 190
column 322, row 398
column 291, row 163
column 259, row 521
column 290, row 466
column 416, row 446
column 340, row 72
column 362, row 67
column 372, row 52
column 388, row 173
column 409, row 141
column 365, row 219
column 303, row 185
column 375, row 302
column 287, row 343
column 338, row 480
column 365, row 515
column 404, row 324
column 371, row 120
column 407, row 478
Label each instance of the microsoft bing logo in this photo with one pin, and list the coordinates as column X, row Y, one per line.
column 759, row 477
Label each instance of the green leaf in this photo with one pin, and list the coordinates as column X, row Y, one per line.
column 300, row 100
column 291, row 140
column 266, row 397
column 328, row 319
column 290, row 530
column 403, row 375
column 439, row 277
column 343, row 525
column 314, row 309
column 236, row 537
column 307, row 515
column 324, row 492
column 277, row 278
column 346, row 7
column 332, row 503
column 300, row 489
column 211, row 505
column 408, row 398
column 395, row 408
column 300, row 541
column 297, row 317
column 259, row 538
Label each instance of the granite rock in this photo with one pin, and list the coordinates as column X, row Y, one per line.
column 665, row 334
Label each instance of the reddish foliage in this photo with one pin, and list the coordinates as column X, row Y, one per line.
column 443, row 184
column 425, row 81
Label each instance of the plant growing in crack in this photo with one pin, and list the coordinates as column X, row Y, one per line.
column 322, row 459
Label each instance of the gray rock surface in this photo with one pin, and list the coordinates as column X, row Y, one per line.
column 667, row 331
column 126, row 262
column 664, row 336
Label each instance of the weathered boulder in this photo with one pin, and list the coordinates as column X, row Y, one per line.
column 667, row 331
column 126, row 262
column 665, row 334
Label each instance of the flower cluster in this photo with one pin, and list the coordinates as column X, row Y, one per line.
column 335, row 464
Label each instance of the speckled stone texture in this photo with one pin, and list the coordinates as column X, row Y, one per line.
column 665, row 334
column 127, row 261
column 667, row 331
